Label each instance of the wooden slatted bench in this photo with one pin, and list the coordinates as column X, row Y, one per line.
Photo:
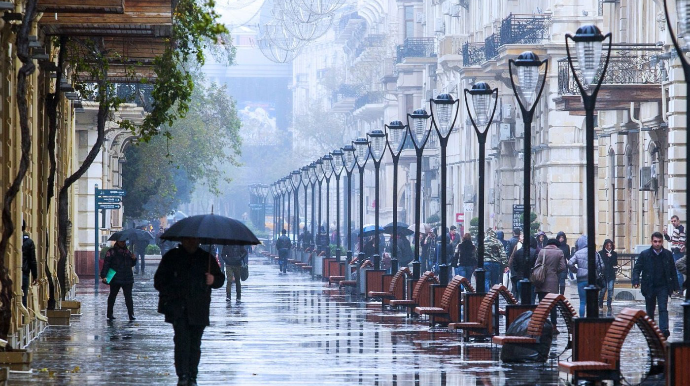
column 421, row 288
column 539, row 317
column 396, row 288
column 483, row 324
column 608, row 368
column 451, row 296
column 306, row 266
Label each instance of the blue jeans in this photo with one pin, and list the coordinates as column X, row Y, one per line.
column 493, row 274
column 608, row 290
column 581, row 284
column 282, row 258
column 465, row 271
column 519, row 290
column 658, row 295
column 676, row 257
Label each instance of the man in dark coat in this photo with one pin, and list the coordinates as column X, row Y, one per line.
column 283, row 245
column 121, row 260
column 140, row 251
column 184, row 280
column 29, row 266
column 659, row 279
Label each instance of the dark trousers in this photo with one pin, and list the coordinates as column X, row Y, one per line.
column 25, row 286
column 554, row 315
column 230, row 272
column 187, row 347
column 127, row 291
column 283, row 258
column 140, row 261
column 658, row 295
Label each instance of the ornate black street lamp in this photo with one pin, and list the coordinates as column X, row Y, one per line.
column 263, row 193
column 287, row 186
column 396, row 132
column 588, row 42
column 349, row 162
column 253, row 195
column 527, row 92
column 327, row 172
column 683, row 12
column 274, row 194
column 337, row 166
column 318, row 173
column 312, row 179
column 304, row 171
column 377, row 147
column 481, row 102
column 361, row 145
column 296, row 180
column 444, row 112
column 418, row 124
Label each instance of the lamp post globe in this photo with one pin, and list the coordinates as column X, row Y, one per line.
column 377, row 147
column 419, row 130
column 337, row 167
column 396, row 132
column 361, row 146
column 481, row 115
column 589, row 41
column 349, row 163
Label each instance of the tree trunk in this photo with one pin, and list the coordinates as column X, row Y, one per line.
column 52, row 101
column 104, row 106
column 24, row 72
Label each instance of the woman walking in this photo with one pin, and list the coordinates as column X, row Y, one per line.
column 578, row 265
column 120, row 260
column 552, row 259
column 465, row 257
column 609, row 258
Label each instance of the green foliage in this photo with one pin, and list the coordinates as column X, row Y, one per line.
column 433, row 220
column 161, row 174
column 153, row 249
column 534, row 224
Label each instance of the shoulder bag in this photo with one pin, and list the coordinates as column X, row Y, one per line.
column 538, row 275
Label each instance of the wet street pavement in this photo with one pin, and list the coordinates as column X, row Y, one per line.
column 289, row 330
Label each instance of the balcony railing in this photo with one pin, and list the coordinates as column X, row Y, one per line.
column 368, row 98
column 491, row 45
column 416, row 48
column 473, row 54
column 524, row 29
column 139, row 94
column 347, row 91
column 632, row 65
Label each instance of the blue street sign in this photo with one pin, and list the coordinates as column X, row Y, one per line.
column 111, row 192
column 109, row 206
column 108, row 199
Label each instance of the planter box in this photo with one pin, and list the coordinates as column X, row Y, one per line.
column 18, row 360
column 58, row 317
column 73, row 306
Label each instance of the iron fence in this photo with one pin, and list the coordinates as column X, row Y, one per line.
column 524, row 29
column 473, row 54
column 139, row 94
column 416, row 48
column 491, row 45
column 368, row 98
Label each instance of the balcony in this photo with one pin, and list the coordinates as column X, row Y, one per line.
column 491, row 45
column 343, row 99
column 450, row 45
column 631, row 76
column 369, row 106
column 525, row 29
column 416, row 48
column 473, row 54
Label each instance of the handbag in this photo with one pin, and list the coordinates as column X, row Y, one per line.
column 538, row 275
column 601, row 279
column 244, row 272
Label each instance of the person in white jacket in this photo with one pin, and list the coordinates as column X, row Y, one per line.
column 578, row 265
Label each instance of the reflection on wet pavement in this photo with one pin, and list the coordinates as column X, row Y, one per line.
column 289, row 330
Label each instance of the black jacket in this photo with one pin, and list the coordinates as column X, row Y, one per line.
column 609, row 263
column 519, row 266
column 29, row 257
column 563, row 246
column 283, row 242
column 466, row 255
column 181, row 283
column 645, row 266
column 121, row 260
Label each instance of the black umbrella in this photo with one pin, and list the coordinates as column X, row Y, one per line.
column 131, row 235
column 211, row 229
column 369, row 230
column 403, row 229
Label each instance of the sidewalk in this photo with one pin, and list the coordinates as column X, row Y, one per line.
column 290, row 330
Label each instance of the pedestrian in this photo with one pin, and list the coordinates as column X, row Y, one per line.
column 405, row 255
column 283, row 244
column 307, row 239
column 121, row 260
column 609, row 258
column 184, row 280
column 140, row 252
column 495, row 259
column 541, row 240
column 234, row 257
column 465, row 257
column 659, row 279
column 427, row 244
column 578, row 265
column 521, row 267
column 677, row 240
column 682, row 268
column 29, row 266
column 552, row 258
column 510, row 247
column 563, row 245
column 322, row 241
column 501, row 237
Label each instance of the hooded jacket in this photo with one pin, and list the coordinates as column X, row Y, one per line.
column 610, row 260
column 493, row 249
column 578, row 262
column 564, row 246
column 541, row 240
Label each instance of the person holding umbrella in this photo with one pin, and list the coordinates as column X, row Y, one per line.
column 120, row 260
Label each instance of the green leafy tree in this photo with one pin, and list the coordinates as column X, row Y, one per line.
column 534, row 225
column 161, row 174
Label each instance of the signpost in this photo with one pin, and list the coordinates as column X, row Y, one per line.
column 104, row 199
column 518, row 210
